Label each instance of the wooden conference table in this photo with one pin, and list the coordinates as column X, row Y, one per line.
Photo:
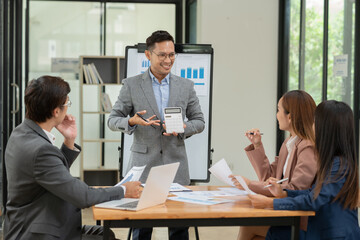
column 180, row 214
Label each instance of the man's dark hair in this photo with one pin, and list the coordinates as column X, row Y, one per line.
column 43, row 95
column 156, row 37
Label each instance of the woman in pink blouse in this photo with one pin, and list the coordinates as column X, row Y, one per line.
column 296, row 160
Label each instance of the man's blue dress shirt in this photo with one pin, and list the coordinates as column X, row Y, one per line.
column 161, row 92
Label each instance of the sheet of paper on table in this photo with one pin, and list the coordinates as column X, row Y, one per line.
column 199, row 200
column 202, row 194
column 233, row 191
column 205, row 197
column 176, row 187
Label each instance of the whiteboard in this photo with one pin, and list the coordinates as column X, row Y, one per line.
column 195, row 63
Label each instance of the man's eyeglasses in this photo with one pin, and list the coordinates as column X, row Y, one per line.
column 67, row 104
column 163, row 56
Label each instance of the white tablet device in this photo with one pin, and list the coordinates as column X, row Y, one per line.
column 173, row 120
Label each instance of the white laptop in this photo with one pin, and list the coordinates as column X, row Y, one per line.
column 154, row 193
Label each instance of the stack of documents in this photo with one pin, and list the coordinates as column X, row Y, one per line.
column 202, row 197
column 208, row 197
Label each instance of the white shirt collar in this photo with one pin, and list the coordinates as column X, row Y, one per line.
column 50, row 136
column 290, row 144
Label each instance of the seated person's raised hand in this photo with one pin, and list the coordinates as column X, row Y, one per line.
column 236, row 182
column 67, row 127
column 254, row 137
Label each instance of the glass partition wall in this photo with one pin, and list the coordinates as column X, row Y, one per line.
column 320, row 50
column 61, row 31
column 306, row 53
column 54, row 38
column 131, row 23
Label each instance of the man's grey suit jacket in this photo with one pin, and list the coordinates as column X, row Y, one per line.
column 150, row 147
column 44, row 200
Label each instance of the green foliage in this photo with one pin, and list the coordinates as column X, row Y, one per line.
column 338, row 88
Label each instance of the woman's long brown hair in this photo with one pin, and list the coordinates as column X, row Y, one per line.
column 301, row 107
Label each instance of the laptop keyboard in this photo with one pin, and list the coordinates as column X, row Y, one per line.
column 129, row 205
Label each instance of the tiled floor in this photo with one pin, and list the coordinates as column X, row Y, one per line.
column 208, row 233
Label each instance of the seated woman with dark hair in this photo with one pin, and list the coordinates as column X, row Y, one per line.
column 334, row 196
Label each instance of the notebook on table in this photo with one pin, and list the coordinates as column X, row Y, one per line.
column 154, row 193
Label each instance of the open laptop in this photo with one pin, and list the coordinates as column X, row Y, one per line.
column 154, row 193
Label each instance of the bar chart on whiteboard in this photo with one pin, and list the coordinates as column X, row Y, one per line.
column 142, row 63
column 196, row 68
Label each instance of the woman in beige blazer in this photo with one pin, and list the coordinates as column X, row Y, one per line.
column 296, row 160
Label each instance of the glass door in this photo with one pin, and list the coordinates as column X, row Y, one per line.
column 56, row 42
column 11, row 22
column 91, row 28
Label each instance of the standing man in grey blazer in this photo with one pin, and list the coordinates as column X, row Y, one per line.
column 148, row 94
column 44, row 200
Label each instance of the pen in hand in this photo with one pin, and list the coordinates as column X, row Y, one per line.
column 251, row 133
column 141, row 116
column 280, row 181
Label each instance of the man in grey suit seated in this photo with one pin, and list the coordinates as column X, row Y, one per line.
column 44, row 200
column 148, row 94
